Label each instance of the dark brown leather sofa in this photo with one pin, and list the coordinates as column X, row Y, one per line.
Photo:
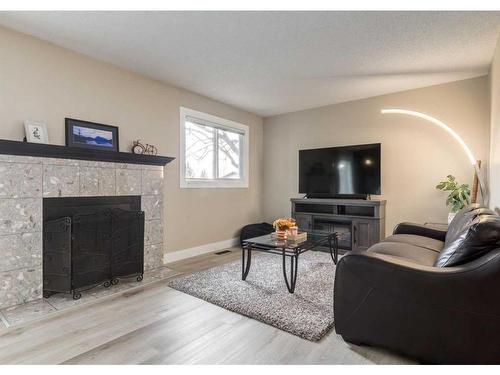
column 425, row 293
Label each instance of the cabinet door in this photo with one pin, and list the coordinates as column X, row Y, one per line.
column 304, row 222
column 362, row 234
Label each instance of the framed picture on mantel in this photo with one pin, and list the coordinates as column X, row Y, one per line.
column 36, row 132
column 91, row 135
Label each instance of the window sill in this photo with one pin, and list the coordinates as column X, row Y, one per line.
column 190, row 184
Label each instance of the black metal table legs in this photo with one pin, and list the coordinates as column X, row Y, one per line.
column 292, row 252
column 334, row 251
column 246, row 261
column 294, row 264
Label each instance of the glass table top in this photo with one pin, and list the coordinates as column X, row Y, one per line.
column 313, row 238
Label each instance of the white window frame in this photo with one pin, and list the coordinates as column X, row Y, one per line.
column 242, row 182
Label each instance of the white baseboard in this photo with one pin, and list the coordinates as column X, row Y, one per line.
column 198, row 250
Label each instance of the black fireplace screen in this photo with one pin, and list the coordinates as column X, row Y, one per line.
column 98, row 241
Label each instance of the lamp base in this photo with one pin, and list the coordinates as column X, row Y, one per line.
column 475, row 183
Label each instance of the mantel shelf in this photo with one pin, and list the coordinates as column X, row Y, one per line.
column 63, row 152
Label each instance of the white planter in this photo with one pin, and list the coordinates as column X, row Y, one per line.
column 451, row 215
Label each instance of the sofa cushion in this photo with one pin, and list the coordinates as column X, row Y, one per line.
column 478, row 237
column 463, row 219
column 409, row 252
column 421, row 241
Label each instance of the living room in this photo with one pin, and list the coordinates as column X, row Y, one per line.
column 250, row 187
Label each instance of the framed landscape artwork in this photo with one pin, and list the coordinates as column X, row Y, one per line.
column 91, row 135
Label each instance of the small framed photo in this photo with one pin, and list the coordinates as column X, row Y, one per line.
column 36, row 132
column 91, row 135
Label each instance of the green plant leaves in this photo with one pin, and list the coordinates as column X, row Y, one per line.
column 459, row 195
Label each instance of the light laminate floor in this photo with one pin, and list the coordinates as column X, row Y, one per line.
column 37, row 309
column 155, row 324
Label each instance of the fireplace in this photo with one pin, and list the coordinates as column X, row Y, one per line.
column 343, row 229
column 32, row 173
column 89, row 241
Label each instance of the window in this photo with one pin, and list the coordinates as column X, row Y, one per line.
column 214, row 151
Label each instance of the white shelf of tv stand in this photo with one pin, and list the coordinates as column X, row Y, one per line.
column 365, row 217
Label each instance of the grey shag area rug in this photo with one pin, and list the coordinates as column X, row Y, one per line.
column 307, row 313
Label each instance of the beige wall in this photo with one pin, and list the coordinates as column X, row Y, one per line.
column 415, row 154
column 494, row 187
column 40, row 81
column 43, row 82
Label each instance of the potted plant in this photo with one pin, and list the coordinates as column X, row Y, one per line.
column 283, row 225
column 458, row 197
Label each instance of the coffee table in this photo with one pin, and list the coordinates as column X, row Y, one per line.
column 287, row 249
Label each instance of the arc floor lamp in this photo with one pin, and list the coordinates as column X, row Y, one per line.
column 478, row 178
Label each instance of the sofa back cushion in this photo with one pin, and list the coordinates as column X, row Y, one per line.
column 462, row 220
column 477, row 238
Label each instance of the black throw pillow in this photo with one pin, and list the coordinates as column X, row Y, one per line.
column 462, row 219
column 477, row 238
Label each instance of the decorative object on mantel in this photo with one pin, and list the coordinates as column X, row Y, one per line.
column 458, row 197
column 91, row 135
column 141, row 149
column 283, row 226
column 36, row 132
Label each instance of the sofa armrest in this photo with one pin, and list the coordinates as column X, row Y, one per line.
column 420, row 230
column 434, row 314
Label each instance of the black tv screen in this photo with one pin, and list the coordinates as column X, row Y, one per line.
column 340, row 171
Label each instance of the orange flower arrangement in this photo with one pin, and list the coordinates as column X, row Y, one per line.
column 284, row 223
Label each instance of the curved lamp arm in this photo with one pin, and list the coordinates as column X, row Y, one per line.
column 450, row 131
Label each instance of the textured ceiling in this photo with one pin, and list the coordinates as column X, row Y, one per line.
column 276, row 62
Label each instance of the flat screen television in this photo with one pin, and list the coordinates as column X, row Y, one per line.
column 345, row 172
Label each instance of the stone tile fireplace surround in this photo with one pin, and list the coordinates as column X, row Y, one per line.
column 26, row 180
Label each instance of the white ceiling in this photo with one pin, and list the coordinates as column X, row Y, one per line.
column 275, row 62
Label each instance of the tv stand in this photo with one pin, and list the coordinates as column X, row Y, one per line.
column 359, row 223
